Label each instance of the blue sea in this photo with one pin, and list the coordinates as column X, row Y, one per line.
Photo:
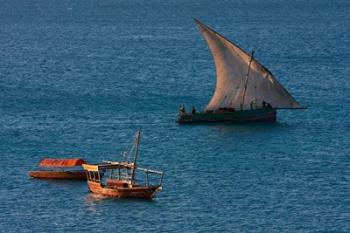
column 79, row 77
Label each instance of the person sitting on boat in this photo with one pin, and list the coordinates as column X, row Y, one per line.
column 193, row 110
column 264, row 104
column 253, row 105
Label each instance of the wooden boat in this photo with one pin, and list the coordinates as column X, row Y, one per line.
column 119, row 179
column 246, row 91
column 67, row 169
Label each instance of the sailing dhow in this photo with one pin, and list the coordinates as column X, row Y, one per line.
column 245, row 91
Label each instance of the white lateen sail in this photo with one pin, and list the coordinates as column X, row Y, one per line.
column 241, row 80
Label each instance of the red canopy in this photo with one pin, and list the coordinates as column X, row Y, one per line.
column 71, row 162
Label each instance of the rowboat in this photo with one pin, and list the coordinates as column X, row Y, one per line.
column 64, row 169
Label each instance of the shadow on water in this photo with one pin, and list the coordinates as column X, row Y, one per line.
column 58, row 184
column 97, row 198
column 93, row 202
column 240, row 129
column 58, row 181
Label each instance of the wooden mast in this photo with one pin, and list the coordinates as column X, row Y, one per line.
column 246, row 79
column 136, row 151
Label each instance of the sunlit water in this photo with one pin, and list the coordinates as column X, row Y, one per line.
column 77, row 78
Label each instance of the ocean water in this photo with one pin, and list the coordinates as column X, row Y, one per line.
column 79, row 77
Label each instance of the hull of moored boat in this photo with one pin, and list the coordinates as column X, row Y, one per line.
column 144, row 192
column 244, row 116
column 61, row 175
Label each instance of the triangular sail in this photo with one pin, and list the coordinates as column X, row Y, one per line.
column 236, row 89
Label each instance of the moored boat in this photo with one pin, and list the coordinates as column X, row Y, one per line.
column 246, row 91
column 64, row 169
column 229, row 115
column 122, row 179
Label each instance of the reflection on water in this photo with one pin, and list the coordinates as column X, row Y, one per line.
column 227, row 128
column 69, row 185
column 97, row 199
column 93, row 201
column 247, row 129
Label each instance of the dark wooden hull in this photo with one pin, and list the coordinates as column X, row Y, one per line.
column 123, row 192
column 244, row 116
column 61, row 175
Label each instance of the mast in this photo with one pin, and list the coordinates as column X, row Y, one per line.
column 246, row 79
column 136, row 151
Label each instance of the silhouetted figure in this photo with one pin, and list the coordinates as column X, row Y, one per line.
column 264, row 104
column 193, row 110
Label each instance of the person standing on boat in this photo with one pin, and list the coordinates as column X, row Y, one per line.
column 253, row 105
column 193, row 110
column 182, row 109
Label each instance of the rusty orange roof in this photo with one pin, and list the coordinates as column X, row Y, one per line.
column 70, row 162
